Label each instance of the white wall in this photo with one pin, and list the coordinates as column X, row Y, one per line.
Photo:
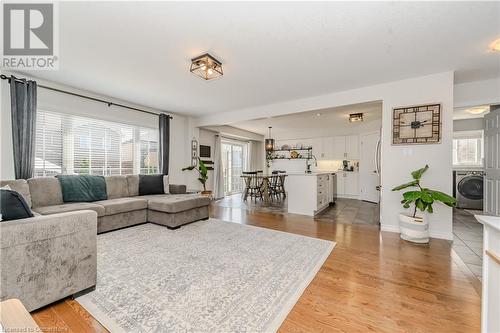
column 477, row 93
column 473, row 124
column 59, row 102
column 397, row 161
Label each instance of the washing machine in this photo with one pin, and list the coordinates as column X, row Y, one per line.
column 469, row 189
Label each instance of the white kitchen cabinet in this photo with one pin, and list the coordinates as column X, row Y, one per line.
column 328, row 148
column 323, row 148
column 347, row 184
column 340, row 184
column 351, row 184
column 338, row 148
column 307, row 193
column 345, row 147
column 352, row 147
column 317, row 148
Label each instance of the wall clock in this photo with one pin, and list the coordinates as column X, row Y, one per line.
column 419, row 124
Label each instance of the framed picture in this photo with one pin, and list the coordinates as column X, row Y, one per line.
column 194, row 162
column 419, row 124
column 205, row 151
column 194, row 144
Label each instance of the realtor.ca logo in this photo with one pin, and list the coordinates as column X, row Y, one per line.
column 30, row 36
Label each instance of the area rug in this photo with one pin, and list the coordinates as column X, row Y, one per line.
column 209, row 276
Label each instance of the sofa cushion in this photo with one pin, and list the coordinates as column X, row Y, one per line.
column 116, row 187
column 151, row 184
column 85, row 188
column 122, row 205
column 45, row 191
column 20, row 186
column 133, row 185
column 177, row 203
column 71, row 207
column 13, row 206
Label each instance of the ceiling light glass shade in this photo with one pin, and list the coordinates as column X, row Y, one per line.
column 206, row 67
column 478, row 109
column 353, row 117
column 269, row 143
column 495, row 46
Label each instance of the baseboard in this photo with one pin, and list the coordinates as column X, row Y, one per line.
column 441, row 235
column 432, row 234
column 389, row 228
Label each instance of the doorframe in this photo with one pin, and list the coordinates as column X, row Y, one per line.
column 379, row 132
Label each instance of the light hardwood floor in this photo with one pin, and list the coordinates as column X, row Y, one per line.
column 372, row 281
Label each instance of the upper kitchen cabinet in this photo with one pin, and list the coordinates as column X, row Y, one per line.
column 345, row 147
column 352, row 147
column 336, row 148
column 338, row 144
column 323, row 148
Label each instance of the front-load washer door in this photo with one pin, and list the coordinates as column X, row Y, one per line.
column 471, row 187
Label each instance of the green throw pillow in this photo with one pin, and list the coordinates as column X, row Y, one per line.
column 82, row 188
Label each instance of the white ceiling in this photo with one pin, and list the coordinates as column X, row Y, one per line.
column 326, row 122
column 271, row 52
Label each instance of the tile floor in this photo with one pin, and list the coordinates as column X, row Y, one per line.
column 468, row 240
column 346, row 211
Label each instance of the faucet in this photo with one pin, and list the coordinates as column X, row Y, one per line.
column 308, row 165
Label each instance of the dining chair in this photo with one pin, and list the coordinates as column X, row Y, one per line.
column 253, row 186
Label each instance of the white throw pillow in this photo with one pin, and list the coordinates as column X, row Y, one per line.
column 6, row 187
column 166, row 188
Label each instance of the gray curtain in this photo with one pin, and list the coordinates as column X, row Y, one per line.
column 164, row 141
column 23, row 111
column 218, row 172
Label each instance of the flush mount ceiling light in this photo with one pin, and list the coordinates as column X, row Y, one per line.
column 478, row 109
column 495, row 46
column 206, row 67
column 354, row 117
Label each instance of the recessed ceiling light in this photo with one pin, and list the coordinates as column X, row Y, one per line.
column 495, row 46
column 478, row 109
column 318, row 114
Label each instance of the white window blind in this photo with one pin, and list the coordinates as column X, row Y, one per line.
column 468, row 148
column 68, row 144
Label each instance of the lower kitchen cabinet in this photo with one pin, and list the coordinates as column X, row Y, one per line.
column 347, row 184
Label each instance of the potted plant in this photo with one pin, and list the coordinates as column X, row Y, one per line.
column 416, row 228
column 203, row 172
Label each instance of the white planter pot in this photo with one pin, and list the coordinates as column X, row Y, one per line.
column 414, row 229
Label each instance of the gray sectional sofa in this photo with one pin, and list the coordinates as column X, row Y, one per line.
column 53, row 255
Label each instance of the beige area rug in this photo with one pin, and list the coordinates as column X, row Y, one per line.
column 209, row 276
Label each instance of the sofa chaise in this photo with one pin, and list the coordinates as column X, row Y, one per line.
column 53, row 254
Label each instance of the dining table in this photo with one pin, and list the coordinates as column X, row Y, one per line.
column 266, row 180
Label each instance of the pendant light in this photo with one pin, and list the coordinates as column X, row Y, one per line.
column 270, row 141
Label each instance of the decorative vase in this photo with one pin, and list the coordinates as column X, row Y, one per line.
column 206, row 193
column 414, row 229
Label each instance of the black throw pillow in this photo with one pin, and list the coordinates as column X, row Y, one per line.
column 13, row 206
column 151, row 184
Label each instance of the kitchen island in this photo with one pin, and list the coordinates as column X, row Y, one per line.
column 310, row 193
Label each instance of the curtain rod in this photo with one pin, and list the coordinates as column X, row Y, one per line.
column 3, row 77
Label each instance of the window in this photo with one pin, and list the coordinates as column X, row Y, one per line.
column 68, row 144
column 468, row 148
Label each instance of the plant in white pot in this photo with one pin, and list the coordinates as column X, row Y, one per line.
column 416, row 228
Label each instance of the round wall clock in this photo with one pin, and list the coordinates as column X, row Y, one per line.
column 416, row 124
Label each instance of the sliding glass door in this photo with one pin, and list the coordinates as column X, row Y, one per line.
column 233, row 160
